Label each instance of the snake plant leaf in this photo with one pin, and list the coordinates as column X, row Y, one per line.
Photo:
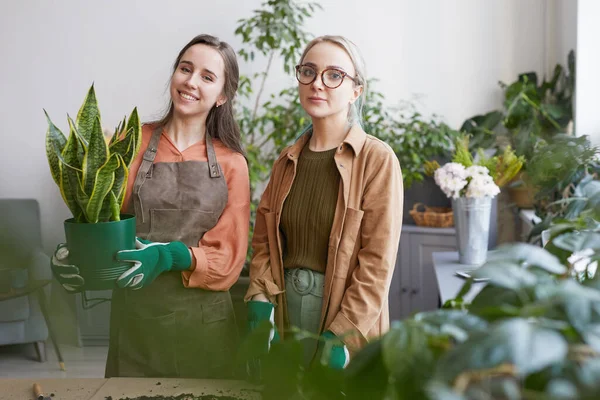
column 119, row 130
column 103, row 182
column 120, row 185
column 92, row 176
column 77, row 142
column 95, row 157
column 114, row 207
column 124, row 146
column 70, row 167
column 82, row 198
column 55, row 143
column 72, row 190
column 110, row 209
column 83, row 143
column 134, row 123
column 88, row 114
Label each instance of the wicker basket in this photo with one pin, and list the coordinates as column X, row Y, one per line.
column 435, row 217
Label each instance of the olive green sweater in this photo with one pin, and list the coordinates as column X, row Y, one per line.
column 309, row 209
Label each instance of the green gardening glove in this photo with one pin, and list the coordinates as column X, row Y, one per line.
column 150, row 259
column 259, row 311
column 64, row 272
column 339, row 356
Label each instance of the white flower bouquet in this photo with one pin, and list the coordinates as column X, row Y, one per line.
column 456, row 181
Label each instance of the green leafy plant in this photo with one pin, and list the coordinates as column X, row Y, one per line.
column 414, row 138
column 565, row 171
column 91, row 173
column 533, row 332
column 533, row 111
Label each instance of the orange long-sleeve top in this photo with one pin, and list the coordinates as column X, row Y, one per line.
column 220, row 255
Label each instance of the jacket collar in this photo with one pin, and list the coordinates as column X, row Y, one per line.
column 355, row 139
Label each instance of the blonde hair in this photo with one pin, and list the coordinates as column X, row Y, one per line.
column 355, row 109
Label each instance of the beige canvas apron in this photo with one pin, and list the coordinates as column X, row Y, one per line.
column 166, row 330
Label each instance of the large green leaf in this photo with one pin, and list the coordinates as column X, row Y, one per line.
column 95, row 157
column 404, row 348
column 506, row 274
column 103, row 182
column 55, row 143
column 528, row 254
column 578, row 241
column 496, row 302
column 458, row 324
column 88, row 114
column 515, row 341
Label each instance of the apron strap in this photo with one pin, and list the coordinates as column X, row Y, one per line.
column 147, row 162
column 214, row 168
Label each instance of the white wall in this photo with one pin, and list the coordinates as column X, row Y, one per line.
column 561, row 28
column 446, row 54
column 587, row 115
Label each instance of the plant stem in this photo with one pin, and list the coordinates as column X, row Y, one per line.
column 262, row 87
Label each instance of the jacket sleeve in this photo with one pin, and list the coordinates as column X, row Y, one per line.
column 221, row 253
column 367, row 292
column 261, row 276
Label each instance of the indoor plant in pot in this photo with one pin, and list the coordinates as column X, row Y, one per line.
column 91, row 173
column 471, row 188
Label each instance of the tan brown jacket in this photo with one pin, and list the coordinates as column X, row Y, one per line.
column 363, row 242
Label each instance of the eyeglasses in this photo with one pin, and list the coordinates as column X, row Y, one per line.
column 331, row 77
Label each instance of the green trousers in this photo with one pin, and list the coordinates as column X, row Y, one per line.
column 304, row 292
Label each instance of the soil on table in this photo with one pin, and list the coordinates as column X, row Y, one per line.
column 186, row 396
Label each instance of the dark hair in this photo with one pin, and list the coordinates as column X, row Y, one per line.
column 220, row 123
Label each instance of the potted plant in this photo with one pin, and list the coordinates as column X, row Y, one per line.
column 502, row 168
column 533, row 112
column 91, row 173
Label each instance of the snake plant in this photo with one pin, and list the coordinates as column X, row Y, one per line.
column 90, row 171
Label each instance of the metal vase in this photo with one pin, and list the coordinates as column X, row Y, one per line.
column 472, row 223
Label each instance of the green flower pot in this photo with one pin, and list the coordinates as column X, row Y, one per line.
column 92, row 248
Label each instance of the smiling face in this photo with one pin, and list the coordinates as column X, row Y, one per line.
column 197, row 82
column 318, row 100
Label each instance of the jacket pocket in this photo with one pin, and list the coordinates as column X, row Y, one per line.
column 186, row 225
column 349, row 241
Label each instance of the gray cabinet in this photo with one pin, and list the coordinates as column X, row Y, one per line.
column 414, row 286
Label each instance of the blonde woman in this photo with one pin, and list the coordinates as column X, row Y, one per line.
column 328, row 223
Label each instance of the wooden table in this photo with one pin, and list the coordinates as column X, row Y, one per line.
column 118, row 388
